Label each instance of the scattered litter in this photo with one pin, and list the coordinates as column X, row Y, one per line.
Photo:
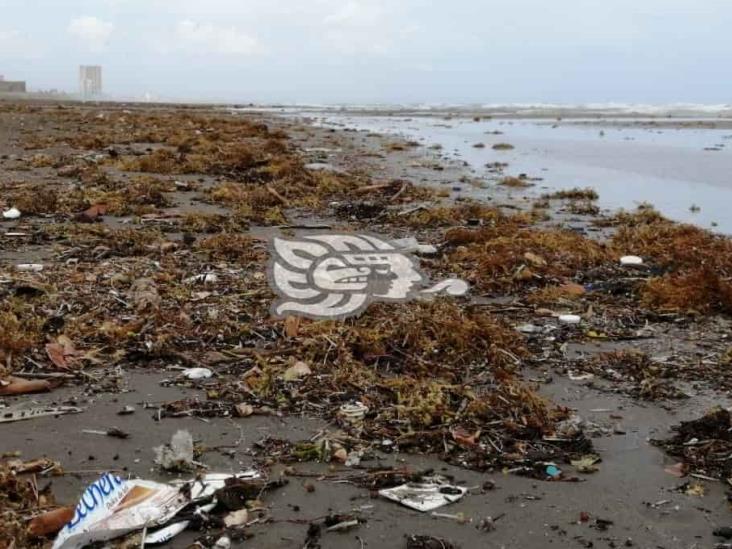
column 428, row 542
column 570, row 319
column 412, row 245
column 224, row 542
column 12, row 213
column 353, row 413
column 580, row 377
column 460, row 518
column 343, row 525
column 432, row 493
column 205, row 278
column 197, row 373
column 552, row 471
column 631, row 260
column 529, row 329
column 178, row 455
column 127, row 410
column 236, row 518
column 586, row 464
column 297, row 371
column 112, row 507
column 29, row 267
column 114, row 432
column 7, row 416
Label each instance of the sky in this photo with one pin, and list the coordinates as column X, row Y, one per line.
column 377, row 51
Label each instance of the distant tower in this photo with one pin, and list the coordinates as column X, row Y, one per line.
column 90, row 81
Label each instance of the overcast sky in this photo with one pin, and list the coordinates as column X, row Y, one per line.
column 357, row 51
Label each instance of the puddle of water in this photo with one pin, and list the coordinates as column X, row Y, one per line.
column 670, row 168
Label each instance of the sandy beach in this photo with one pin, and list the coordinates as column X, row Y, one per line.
column 114, row 194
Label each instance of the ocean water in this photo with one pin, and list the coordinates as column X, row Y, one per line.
column 686, row 173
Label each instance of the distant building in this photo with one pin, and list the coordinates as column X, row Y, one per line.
column 8, row 86
column 90, row 81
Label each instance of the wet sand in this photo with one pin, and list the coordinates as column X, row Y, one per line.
column 683, row 169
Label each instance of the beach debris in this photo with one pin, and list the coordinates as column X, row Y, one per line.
column 224, row 542
column 412, row 245
column 569, row 319
column 415, row 541
column 29, row 267
column 298, row 370
column 236, row 518
column 631, row 260
column 12, row 213
column 723, row 532
column 127, row 410
column 114, row 432
column 529, row 329
column 353, row 413
column 204, row 278
column 112, row 507
column 178, row 454
column 427, row 495
column 553, row 472
column 11, row 415
column 586, row 464
column 677, row 470
column 197, row 373
column 702, row 445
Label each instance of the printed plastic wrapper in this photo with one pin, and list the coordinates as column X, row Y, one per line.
column 112, row 507
column 424, row 496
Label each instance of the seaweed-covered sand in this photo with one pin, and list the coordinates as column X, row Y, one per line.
column 141, row 252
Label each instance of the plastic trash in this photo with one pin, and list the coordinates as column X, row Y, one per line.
column 296, row 371
column 553, row 471
column 528, row 328
column 206, row 278
column 431, row 494
column 29, row 267
column 112, row 507
column 353, row 413
column 12, row 213
column 570, row 319
column 197, row 373
column 630, row 260
column 8, row 416
column 412, row 245
column 178, row 455
column 224, row 542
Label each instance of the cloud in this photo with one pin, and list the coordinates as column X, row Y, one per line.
column 212, row 39
column 14, row 44
column 91, row 31
column 367, row 27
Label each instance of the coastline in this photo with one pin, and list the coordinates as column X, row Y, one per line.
column 631, row 475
